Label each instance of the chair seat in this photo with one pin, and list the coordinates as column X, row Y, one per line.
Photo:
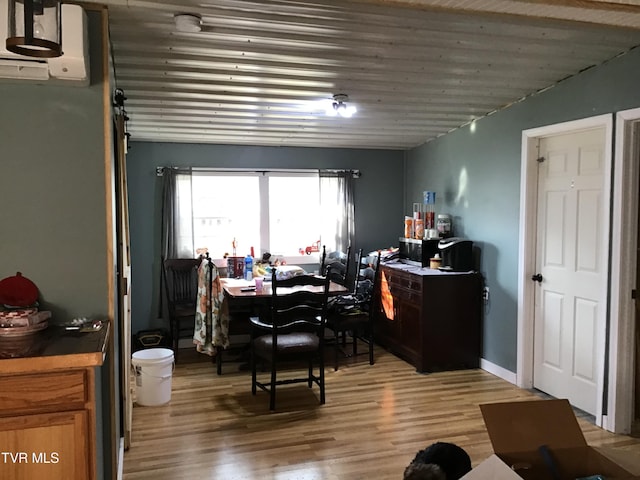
column 290, row 343
column 354, row 317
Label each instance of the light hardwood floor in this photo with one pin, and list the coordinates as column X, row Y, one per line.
column 376, row 418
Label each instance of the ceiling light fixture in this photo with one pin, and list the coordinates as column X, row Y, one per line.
column 340, row 107
column 187, row 22
column 34, row 28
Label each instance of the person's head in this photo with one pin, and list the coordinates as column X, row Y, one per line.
column 423, row 471
column 452, row 459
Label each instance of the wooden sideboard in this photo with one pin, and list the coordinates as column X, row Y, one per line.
column 47, row 404
column 431, row 319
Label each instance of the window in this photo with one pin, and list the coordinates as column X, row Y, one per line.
column 276, row 212
column 294, row 213
column 225, row 207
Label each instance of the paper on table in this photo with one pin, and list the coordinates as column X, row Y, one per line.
column 237, row 282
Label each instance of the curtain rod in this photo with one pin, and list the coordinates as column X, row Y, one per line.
column 354, row 173
column 160, row 170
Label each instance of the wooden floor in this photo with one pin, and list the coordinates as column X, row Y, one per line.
column 376, row 418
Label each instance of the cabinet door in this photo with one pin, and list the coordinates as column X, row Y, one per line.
column 409, row 317
column 48, row 445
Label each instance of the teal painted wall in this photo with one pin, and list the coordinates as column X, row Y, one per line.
column 378, row 197
column 53, row 189
column 52, row 213
column 477, row 179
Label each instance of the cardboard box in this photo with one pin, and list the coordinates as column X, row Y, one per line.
column 518, row 430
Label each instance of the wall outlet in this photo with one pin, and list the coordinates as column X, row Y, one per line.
column 485, row 294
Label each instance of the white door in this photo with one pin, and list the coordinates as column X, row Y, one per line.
column 570, row 297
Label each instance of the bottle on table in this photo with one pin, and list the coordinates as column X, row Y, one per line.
column 248, row 267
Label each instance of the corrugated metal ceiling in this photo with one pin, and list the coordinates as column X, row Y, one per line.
column 259, row 71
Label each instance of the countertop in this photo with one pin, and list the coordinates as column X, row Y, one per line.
column 53, row 348
column 414, row 269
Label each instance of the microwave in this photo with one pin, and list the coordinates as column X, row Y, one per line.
column 417, row 252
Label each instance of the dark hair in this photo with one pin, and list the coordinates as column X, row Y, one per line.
column 452, row 459
column 423, row 471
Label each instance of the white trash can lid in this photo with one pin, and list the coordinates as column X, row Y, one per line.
column 151, row 354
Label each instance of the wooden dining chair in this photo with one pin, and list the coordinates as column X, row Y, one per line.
column 181, row 287
column 291, row 331
column 340, row 264
column 353, row 312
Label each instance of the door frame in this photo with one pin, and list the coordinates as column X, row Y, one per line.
column 527, row 242
column 123, row 262
column 624, row 239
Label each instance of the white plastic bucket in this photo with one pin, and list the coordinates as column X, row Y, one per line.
column 154, row 369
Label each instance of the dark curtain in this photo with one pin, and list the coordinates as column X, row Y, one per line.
column 169, row 223
column 336, row 197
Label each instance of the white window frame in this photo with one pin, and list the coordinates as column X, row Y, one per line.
column 263, row 181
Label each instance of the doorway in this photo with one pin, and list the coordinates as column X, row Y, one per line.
column 532, row 300
column 635, row 428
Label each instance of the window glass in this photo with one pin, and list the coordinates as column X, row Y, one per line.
column 226, row 207
column 294, row 213
column 184, row 227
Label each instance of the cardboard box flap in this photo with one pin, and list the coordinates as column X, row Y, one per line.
column 572, row 463
column 525, row 426
column 492, row 468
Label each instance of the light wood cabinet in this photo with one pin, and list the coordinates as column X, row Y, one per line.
column 431, row 319
column 47, row 445
column 48, row 410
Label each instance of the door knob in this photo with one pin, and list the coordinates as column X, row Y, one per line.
column 537, row 278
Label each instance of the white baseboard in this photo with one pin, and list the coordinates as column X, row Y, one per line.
column 498, row 371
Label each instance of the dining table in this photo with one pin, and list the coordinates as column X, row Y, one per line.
column 238, row 289
column 242, row 300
